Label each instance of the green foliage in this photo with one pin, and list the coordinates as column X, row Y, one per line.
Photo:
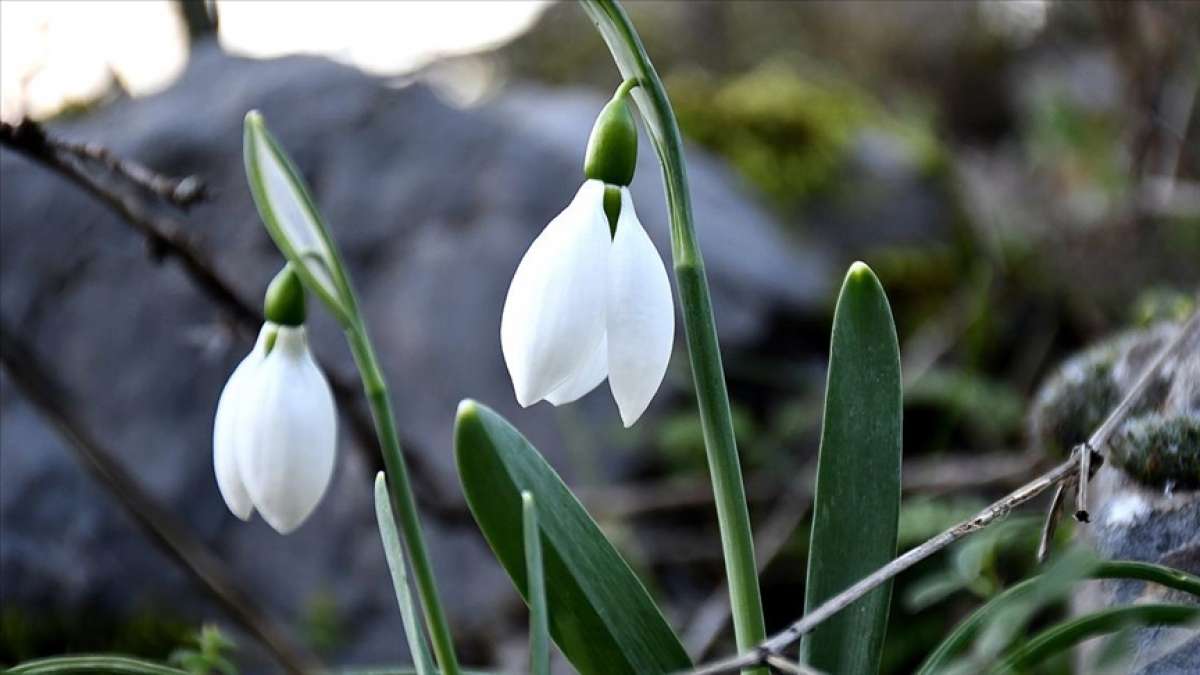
column 989, row 406
column 207, row 653
column 787, row 131
column 151, row 632
column 1070, row 633
column 999, row 623
column 977, row 564
column 100, row 664
column 857, row 499
column 1162, row 304
column 322, row 622
column 539, row 623
column 681, row 439
column 394, row 552
column 600, row 614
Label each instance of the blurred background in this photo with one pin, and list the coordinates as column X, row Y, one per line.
column 1023, row 176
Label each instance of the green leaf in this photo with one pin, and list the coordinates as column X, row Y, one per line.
column 539, row 627
column 600, row 614
column 1070, row 633
column 857, row 500
column 291, row 217
column 395, row 560
column 93, row 663
column 1049, row 586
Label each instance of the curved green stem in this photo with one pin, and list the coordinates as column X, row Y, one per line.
column 403, row 502
column 1070, row 633
column 957, row 641
column 93, row 663
column 699, row 326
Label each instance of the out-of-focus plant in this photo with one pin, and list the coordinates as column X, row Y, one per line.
column 208, row 655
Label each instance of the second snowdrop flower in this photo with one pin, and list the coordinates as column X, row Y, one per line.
column 591, row 299
column 275, row 433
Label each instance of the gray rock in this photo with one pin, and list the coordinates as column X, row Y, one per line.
column 433, row 206
column 1136, row 517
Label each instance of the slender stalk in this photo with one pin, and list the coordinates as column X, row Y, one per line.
column 403, row 503
column 700, row 329
column 1070, row 633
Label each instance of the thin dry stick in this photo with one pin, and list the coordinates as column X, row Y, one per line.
column 785, row 666
column 1051, row 524
column 43, row 389
column 921, row 475
column 180, row 192
column 168, row 237
column 1052, row 478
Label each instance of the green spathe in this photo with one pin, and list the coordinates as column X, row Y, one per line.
column 612, row 148
column 284, row 302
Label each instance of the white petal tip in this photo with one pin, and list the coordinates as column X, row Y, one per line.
column 630, row 419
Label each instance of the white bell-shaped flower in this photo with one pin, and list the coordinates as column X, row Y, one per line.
column 586, row 304
column 275, row 433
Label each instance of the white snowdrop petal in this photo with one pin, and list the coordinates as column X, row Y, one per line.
column 585, row 379
column 230, row 406
column 287, row 446
column 554, row 314
column 640, row 316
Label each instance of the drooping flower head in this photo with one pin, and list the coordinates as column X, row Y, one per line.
column 275, row 432
column 590, row 299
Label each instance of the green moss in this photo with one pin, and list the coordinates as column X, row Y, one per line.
column 1075, row 400
column 1159, row 451
column 788, row 132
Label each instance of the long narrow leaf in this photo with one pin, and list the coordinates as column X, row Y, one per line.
column 955, row 643
column 395, row 560
column 93, row 663
column 539, row 626
column 857, row 500
column 1070, row 633
column 600, row 614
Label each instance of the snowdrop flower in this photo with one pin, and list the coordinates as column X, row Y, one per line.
column 275, row 433
column 591, row 299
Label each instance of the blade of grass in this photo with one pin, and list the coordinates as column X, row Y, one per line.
column 93, row 663
column 539, row 624
column 957, row 641
column 1070, row 633
column 394, row 552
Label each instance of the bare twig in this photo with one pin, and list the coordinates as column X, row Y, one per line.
column 793, row 668
column 921, row 475
column 31, row 137
column 1051, row 524
column 1085, row 469
column 44, row 391
column 777, row 643
column 169, row 237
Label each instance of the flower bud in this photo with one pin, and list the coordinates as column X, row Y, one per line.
column 284, row 301
column 612, row 148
